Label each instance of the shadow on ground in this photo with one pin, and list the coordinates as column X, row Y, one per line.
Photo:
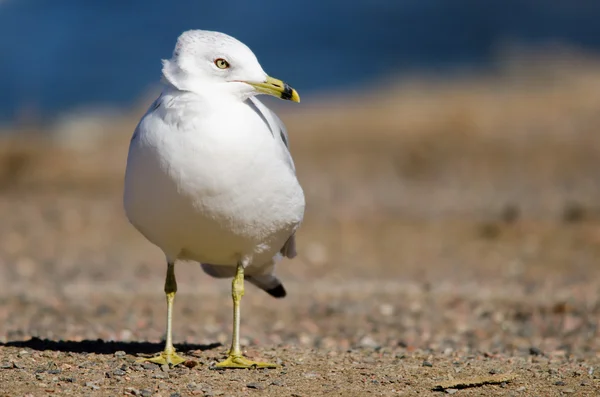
column 103, row 347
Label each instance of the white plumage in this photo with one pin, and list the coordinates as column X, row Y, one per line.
column 209, row 174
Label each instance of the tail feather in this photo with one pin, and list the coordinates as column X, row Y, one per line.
column 266, row 281
column 289, row 248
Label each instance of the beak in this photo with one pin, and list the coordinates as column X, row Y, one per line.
column 276, row 88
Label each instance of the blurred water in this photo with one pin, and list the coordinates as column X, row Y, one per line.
column 63, row 54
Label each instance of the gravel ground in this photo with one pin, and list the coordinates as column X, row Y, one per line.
column 435, row 301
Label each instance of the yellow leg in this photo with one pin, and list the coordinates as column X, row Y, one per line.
column 168, row 356
column 235, row 359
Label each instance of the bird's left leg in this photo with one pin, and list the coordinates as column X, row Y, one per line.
column 168, row 356
column 235, row 358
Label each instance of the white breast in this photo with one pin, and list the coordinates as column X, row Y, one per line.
column 211, row 194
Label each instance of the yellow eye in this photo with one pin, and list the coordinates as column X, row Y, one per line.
column 221, row 63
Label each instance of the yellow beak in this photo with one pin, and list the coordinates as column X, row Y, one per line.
column 276, row 88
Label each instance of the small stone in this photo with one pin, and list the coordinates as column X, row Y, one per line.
column 119, row 372
column 165, row 368
column 368, row 342
column 427, row 364
column 559, row 383
column 120, row 353
column 149, row 365
column 6, row 365
column 66, row 379
column 568, row 391
column 54, row 371
column 145, row 393
column 175, row 394
column 132, row 390
column 522, row 388
column 192, row 385
column 39, row 376
column 534, row 351
column 386, row 309
column 451, row 391
column 190, row 363
column 92, row 385
column 255, row 385
column 277, row 383
column 159, row 375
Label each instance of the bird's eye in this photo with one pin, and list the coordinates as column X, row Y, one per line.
column 221, row 63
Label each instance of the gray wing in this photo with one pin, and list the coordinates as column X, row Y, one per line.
column 280, row 134
column 276, row 126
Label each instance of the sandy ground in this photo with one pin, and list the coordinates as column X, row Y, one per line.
column 451, row 245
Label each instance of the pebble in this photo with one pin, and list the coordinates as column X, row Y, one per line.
column 158, row 375
column 119, row 372
column 427, row 364
column 175, row 394
column 6, row 365
column 534, row 351
column 255, row 385
column 190, row 363
column 120, row 353
column 568, row 391
column 92, row 385
column 132, row 390
column 145, row 393
column 451, row 391
column 149, row 365
column 386, row 309
column 368, row 342
column 559, row 383
column 277, row 383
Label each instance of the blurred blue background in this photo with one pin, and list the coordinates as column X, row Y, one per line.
column 62, row 55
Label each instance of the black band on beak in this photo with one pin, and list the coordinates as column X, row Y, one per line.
column 287, row 92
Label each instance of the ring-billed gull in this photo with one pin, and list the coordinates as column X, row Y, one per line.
column 210, row 177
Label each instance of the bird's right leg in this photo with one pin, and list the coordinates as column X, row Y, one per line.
column 168, row 356
column 235, row 358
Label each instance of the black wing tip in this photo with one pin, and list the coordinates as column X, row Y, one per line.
column 277, row 292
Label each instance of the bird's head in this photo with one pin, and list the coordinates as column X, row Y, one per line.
column 204, row 59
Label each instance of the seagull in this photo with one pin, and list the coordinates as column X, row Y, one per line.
column 210, row 177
